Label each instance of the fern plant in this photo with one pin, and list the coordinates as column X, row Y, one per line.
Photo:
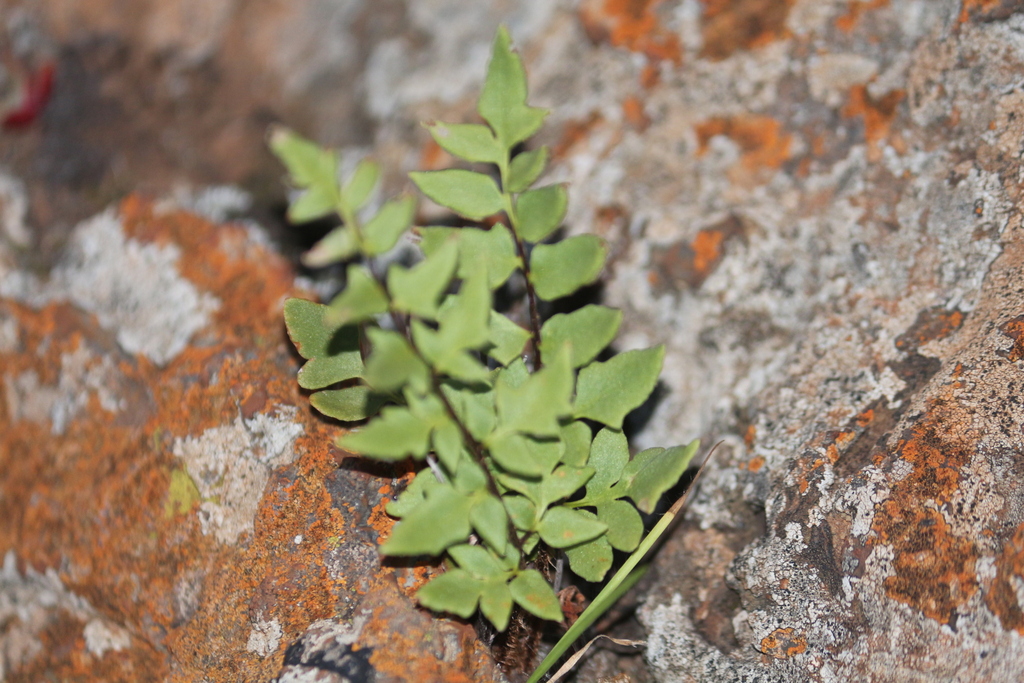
column 503, row 414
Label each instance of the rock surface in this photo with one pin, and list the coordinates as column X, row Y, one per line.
column 172, row 508
column 811, row 203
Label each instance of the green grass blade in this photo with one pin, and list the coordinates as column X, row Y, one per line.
column 619, row 584
column 623, row 580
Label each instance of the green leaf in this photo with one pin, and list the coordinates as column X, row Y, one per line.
column 413, row 495
column 514, row 453
column 312, row 169
column 383, row 230
column 469, row 477
column 349, row 404
column 502, row 102
column 533, row 593
column 540, row 402
column 394, row 435
column 343, row 364
column 332, row 350
column 433, row 236
column 625, row 527
column 654, row 471
column 576, row 436
column 448, row 445
column 609, row 454
column 589, row 330
column 454, row 591
column 338, row 245
column 564, row 482
column 469, row 141
column 530, row 543
column 437, row 524
column 490, row 521
column 514, row 374
column 525, row 168
column 447, row 359
column 473, row 195
column 591, row 560
column 496, row 603
column 562, row 527
column 560, row 269
column 359, row 186
column 478, row 561
column 507, row 338
column 427, row 408
column 474, row 406
column 361, row 299
column 417, row 290
column 522, row 511
column 463, row 320
column 608, row 391
column 314, row 203
column 541, row 211
column 493, row 249
column 393, row 363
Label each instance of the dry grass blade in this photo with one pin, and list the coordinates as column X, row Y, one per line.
column 571, row 662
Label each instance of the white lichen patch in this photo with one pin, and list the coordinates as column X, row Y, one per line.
column 326, row 641
column 829, row 76
column 400, row 74
column 9, row 338
column 101, row 636
column 217, row 203
column 265, row 637
column 32, row 601
column 83, row 374
column 13, row 211
column 133, row 288
column 231, row 464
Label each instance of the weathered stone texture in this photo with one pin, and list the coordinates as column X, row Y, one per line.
column 172, row 508
column 812, row 203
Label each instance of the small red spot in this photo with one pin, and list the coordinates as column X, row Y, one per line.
column 35, row 94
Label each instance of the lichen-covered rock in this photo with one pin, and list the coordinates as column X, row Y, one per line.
column 812, row 203
column 172, row 508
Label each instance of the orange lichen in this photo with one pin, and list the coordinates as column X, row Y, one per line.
column 633, row 112
column 749, row 435
column 434, row 156
column 987, row 10
column 761, row 139
column 783, row 643
column 756, row 464
column 732, row 25
column 630, row 24
column 847, row 21
column 707, row 250
column 575, row 132
column 1001, row 597
column 692, row 262
column 934, row 569
column 931, row 324
column 844, row 439
column 1014, row 329
column 877, row 114
column 91, row 501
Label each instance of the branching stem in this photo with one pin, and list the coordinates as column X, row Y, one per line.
column 531, row 293
column 477, row 450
